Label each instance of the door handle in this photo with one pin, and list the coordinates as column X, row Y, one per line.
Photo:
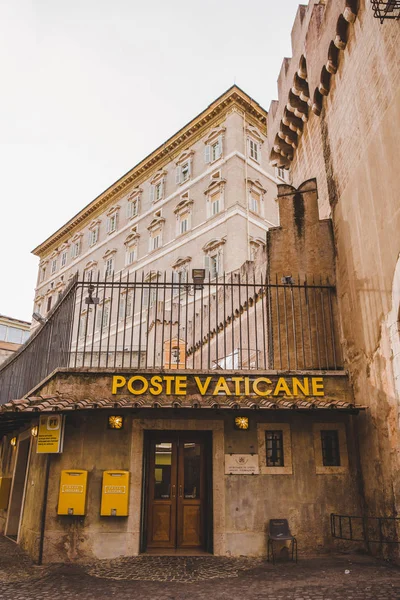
column 173, row 491
column 180, row 491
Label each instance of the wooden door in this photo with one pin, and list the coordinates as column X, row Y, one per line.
column 176, row 492
column 161, row 531
column 191, row 493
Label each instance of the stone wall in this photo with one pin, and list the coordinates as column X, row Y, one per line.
column 350, row 145
column 242, row 505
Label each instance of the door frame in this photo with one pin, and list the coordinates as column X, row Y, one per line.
column 205, row 439
column 137, row 497
column 22, row 437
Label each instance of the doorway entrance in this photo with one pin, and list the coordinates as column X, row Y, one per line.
column 18, row 486
column 178, row 506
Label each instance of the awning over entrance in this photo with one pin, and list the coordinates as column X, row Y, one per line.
column 71, row 390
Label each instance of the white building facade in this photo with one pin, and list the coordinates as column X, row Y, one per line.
column 204, row 199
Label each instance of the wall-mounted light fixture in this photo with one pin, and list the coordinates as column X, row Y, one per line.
column 115, row 422
column 13, row 441
column 90, row 299
column 34, row 431
column 198, row 276
column 241, row 423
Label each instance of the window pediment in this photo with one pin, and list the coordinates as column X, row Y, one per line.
column 76, row 237
column 38, row 299
column 54, row 254
column 156, row 223
column 213, row 244
column 215, row 185
column 184, row 156
column 183, row 205
column 256, row 185
column 152, row 276
column 257, row 242
column 214, row 134
column 180, row 262
column 113, row 210
column 64, row 246
column 135, row 193
column 255, row 134
column 157, row 177
column 109, row 253
column 90, row 265
column 94, row 224
column 132, row 237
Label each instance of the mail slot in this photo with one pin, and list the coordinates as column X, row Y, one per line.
column 5, row 485
column 115, row 494
column 73, row 488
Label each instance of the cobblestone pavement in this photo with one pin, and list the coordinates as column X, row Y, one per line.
column 198, row 578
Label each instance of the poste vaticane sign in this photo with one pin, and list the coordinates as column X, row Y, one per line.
column 214, row 385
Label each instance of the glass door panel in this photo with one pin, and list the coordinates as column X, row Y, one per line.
column 162, row 471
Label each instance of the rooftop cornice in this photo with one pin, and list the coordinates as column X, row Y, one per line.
column 234, row 96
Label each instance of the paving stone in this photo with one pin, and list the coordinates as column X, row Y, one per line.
column 198, row 578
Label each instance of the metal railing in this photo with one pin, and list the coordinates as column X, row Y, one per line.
column 370, row 530
column 231, row 322
column 386, row 9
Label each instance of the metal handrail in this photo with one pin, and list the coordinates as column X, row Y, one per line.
column 371, row 529
column 231, row 321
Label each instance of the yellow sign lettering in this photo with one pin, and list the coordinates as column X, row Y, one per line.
column 202, row 387
column 118, row 381
column 303, row 387
column 221, row 386
column 317, row 384
column 237, row 381
column 282, row 386
column 143, row 390
column 257, row 389
column 156, row 382
column 180, row 385
column 168, row 383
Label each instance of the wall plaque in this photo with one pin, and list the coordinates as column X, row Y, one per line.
column 241, row 464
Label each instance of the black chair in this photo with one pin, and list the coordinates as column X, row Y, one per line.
column 279, row 532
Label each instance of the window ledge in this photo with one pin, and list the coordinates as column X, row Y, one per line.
column 276, row 470
column 331, row 470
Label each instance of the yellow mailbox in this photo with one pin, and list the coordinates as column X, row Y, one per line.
column 5, row 485
column 73, row 488
column 115, row 494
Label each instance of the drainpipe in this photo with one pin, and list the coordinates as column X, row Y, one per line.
column 44, row 511
column 246, row 186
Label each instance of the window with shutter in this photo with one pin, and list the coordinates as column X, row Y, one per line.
column 112, row 223
column 109, row 267
column 254, row 150
column 53, row 266
column 106, row 314
column 215, row 204
column 254, row 202
column 131, row 254
column 215, row 151
column 159, row 191
column 99, row 317
column 207, row 265
column 178, row 175
column 207, row 153
column 185, row 172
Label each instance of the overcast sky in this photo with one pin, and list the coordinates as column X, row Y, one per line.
column 90, row 87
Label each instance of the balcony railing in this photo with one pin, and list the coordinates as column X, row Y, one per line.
column 231, row 322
